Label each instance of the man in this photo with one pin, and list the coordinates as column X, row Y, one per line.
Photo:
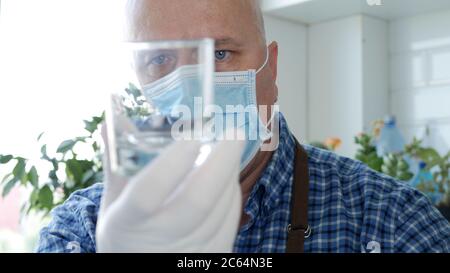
column 350, row 207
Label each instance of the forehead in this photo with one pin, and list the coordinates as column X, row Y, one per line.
column 191, row 19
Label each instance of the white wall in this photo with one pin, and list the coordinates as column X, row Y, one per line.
column 292, row 64
column 348, row 78
column 375, row 70
column 420, row 76
column 335, row 80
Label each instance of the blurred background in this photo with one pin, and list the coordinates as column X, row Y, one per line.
column 369, row 79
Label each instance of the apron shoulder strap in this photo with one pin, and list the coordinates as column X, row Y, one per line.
column 299, row 229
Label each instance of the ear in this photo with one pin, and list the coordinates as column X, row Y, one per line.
column 273, row 59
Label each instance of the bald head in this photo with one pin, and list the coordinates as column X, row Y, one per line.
column 192, row 19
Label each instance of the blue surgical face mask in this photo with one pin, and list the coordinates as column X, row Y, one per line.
column 177, row 88
column 239, row 88
column 231, row 89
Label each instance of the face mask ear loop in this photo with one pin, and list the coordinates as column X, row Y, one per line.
column 265, row 62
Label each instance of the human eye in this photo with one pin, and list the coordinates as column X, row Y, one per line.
column 222, row 55
column 159, row 64
column 161, row 59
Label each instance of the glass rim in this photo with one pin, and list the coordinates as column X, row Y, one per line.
column 168, row 44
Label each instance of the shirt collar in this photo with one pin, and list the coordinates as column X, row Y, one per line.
column 267, row 191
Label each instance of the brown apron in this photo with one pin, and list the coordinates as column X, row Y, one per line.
column 299, row 229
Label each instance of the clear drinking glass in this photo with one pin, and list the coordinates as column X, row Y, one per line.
column 169, row 85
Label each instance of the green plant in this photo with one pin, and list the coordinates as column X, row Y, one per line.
column 68, row 172
column 396, row 166
column 367, row 152
column 392, row 164
column 438, row 165
column 135, row 103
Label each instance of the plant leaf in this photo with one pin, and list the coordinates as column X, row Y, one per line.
column 65, row 146
column 44, row 152
column 52, row 175
column 99, row 119
column 429, row 155
column 75, row 169
column 33, row 177
column 5, row 158
column 54, row 164
column 34, row 197
column 9, row 185
column 95, row 146
column 81, row 139
column 40, row 136
column 133, row 90
column 90, row 126
column 19, row 169
column 45, row 197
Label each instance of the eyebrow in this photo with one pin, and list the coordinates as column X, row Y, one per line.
column 227, row 41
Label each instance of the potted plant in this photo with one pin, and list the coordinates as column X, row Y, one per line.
column 396, row 165
column 68, row 172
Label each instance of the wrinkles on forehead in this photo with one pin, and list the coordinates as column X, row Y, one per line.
column 190, row 19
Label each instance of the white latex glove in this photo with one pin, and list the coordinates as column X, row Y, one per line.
column 172, row 205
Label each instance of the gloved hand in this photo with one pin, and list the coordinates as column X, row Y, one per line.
column 173, row 204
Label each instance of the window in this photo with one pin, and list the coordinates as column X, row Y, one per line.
column 54, row 72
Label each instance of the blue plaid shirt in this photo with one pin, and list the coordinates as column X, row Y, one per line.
column 351, row 209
